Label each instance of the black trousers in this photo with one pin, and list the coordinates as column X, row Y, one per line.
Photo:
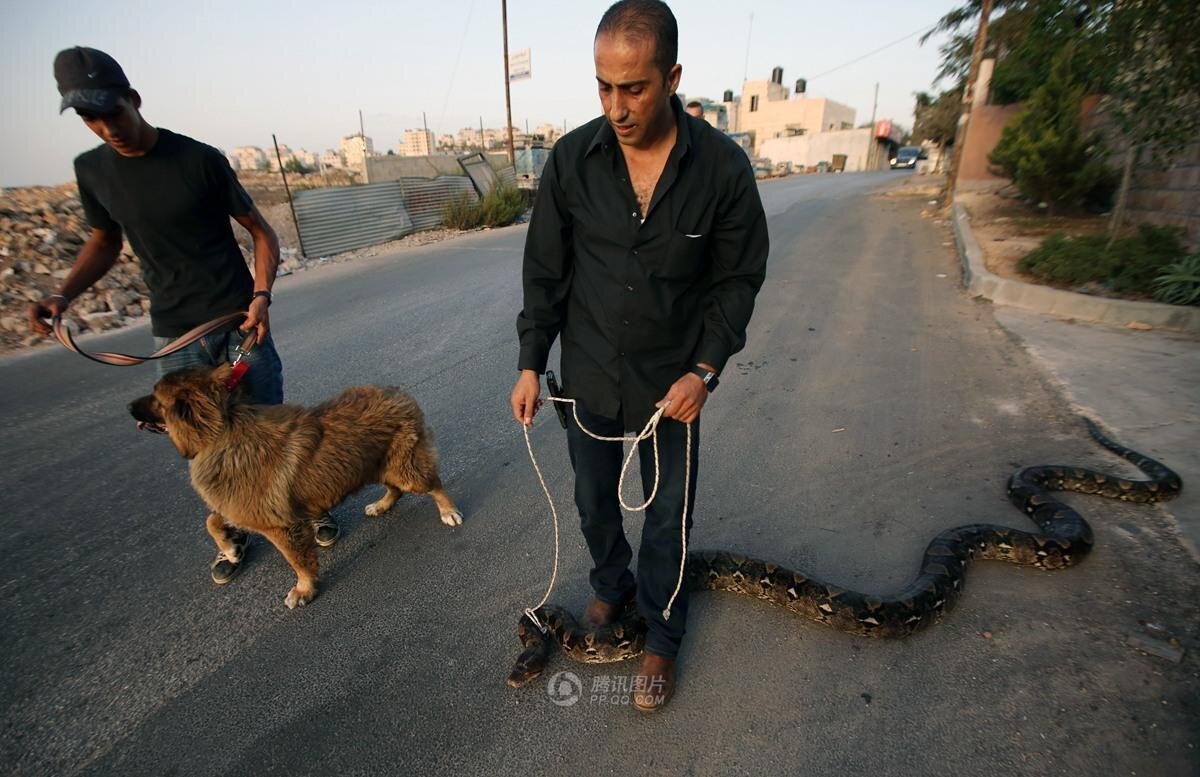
column 597, row 471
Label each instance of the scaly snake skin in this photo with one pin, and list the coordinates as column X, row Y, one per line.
column 1064, row 539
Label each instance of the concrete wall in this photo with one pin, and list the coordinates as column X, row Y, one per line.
column 987, row 124
column 862, row 151
column 1170, row 196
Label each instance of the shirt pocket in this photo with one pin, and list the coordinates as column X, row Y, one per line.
column 686, row 257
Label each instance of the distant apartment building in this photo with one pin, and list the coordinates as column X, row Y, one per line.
column 355, row 150
column 468, row 138
column 548, row 133
column 285, row 154
column 417, row 142
column 247, row 158
column 310, row 160
column 767, row 110
column 445, row 142
column 333, row 159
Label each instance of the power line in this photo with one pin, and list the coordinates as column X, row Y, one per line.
column 872, row 53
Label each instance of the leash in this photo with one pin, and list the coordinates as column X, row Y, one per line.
column 649, row 430
column 62, row 333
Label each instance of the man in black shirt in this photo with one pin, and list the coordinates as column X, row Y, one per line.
column 647, row 247
column 173, row 197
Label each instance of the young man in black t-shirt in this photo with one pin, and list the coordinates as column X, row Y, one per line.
column 173, row 197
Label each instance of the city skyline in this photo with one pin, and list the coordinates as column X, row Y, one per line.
column 232, row 74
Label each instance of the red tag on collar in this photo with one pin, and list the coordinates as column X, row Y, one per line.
column 235, row 377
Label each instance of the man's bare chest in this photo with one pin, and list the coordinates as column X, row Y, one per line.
column 643, row 177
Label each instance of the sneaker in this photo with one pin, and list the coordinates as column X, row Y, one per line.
column 223, row 570
column 328, row 530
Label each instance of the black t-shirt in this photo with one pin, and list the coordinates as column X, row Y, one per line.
column 174, row 204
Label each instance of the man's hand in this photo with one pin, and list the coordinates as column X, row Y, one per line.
column 257, row 318
column 686, row 397
column 50, row 307
column 524, row 397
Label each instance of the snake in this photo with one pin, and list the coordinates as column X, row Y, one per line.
column 1063, row 539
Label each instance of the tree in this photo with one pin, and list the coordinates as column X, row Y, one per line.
column 936, row 119
column 1154, row 96
column 1023, row 37
column 294, row 165
column 1044, row 149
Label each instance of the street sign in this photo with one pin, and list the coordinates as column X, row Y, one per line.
column 519, row 68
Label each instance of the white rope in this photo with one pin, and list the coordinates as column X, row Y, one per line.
column 649, row 430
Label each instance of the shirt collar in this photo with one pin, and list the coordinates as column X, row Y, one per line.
column 605, row 136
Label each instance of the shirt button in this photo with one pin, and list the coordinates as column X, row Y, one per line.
column 628, row 288
column 634, row 214
column 635, row 253
column 625, row 322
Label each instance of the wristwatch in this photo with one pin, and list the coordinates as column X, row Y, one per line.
column 708, row 376
column 262, row 293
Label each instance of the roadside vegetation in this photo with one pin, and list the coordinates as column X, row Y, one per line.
column 1150, row 262
column 500, row 207
column 1140, row 61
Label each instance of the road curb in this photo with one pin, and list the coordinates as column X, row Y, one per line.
column 1055, row 302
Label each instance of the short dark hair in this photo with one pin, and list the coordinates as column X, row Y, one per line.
column 695, row 104
column 645, row 20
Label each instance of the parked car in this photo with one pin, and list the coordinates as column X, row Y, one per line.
column 907, row 157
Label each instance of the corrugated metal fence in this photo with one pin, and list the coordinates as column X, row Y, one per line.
column 348, row 217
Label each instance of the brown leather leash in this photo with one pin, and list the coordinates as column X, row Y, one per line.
column 62, row 333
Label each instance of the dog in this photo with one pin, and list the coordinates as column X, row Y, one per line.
column 272, row 469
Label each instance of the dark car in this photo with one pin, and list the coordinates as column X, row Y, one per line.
column 907, row 157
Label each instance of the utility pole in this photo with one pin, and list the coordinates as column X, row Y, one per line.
column 482, row 142
column 425, row 122
column 512, row 155
column 964, row 120
column 875, row 106
column 288, row 191
column 362, row 133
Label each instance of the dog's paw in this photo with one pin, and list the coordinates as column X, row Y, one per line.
column 375, row 510
column 233, row 556
column 452, row 518
column 297, row 598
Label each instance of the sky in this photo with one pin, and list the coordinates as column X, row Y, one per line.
column 232, row 73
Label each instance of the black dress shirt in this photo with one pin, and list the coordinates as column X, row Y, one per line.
column 639, row 302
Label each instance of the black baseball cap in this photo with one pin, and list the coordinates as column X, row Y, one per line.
column 89, row 79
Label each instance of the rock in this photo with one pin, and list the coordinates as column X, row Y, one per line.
column 134, row 311
column 31, row 340
column 61, row 274
column 40, row 268
column 13, row 324
column 1170, row 650
column 119, row 299
column 1140, row 326
column 107, row 319
column 8, row 272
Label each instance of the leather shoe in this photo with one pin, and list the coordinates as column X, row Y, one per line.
column 654, row 683
column 600, row 613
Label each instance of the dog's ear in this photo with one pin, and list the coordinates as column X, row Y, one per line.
column 221, row 373
column 182, row 410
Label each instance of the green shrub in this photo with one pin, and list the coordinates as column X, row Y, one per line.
column 1179, row 282
column 1044, row 150
column 461, row 213
column 501, row 206
column 1131, row 265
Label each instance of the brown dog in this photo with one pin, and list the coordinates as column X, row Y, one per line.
column 272, row 469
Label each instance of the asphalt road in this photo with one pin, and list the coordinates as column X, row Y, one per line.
column 874, row 406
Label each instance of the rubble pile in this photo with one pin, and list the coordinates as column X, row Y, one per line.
column 41, row 231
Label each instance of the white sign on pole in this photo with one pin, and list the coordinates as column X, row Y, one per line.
column 519, row 68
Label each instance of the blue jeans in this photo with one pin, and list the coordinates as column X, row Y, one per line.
column 264, row 379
